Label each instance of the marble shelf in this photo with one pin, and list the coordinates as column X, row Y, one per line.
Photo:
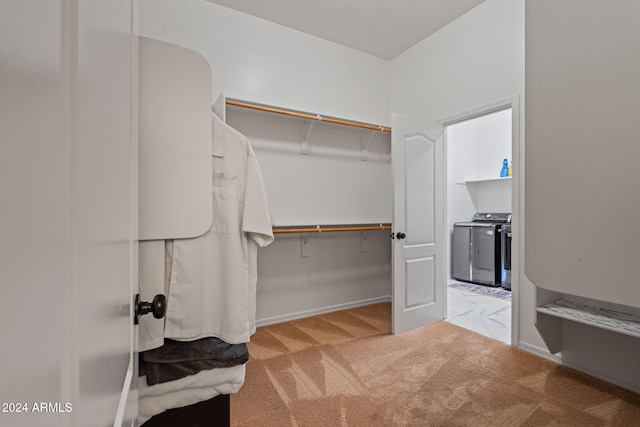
column 599, row 317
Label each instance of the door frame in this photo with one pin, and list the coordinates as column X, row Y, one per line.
column 517, row 193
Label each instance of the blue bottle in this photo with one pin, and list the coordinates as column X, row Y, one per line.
column 505, row 168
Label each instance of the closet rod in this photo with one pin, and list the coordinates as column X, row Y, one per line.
column 298, row 114
column 329, row 228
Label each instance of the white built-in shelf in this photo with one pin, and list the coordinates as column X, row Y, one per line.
column 478, row 181
column 616, row 321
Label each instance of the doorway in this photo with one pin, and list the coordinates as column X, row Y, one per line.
column 477, row 145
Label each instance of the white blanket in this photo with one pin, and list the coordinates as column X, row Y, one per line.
column 155, row 399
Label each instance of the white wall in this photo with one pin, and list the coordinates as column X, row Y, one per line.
column 461, row 140
column 305, row 274
column 329, row 185
column 256, row 60
column 475, row 150
column 475, row 60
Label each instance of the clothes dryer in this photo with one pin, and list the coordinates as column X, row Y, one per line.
column 477, row 249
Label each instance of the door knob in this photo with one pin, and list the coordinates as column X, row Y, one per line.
column 158, row 307
column 401, row 235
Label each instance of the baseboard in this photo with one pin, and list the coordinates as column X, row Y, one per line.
column 585, row 368
column 538, row 351
column 594, row 372
column 320, row 310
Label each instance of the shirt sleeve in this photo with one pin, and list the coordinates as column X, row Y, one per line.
column 256, row 217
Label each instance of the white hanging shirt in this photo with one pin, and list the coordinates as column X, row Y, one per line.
column 212, row 281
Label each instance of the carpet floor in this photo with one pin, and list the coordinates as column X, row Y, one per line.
column 346, row 369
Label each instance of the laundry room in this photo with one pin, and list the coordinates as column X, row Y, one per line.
column 476, row 150
column 479, row 207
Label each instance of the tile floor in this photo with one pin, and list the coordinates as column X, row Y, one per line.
column 486, row 315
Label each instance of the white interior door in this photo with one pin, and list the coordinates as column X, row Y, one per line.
column 418, row 221
column 68, row 174
column 104, row 207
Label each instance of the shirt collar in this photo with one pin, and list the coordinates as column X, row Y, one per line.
column 217, row 148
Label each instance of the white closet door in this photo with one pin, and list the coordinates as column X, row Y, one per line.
column 68, row 162
column 418, row 212
column 104, row 208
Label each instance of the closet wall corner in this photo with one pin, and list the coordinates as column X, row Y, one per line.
column 328, row 181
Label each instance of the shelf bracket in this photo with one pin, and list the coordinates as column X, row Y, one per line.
column 304, row 245
column 364, row 235
column 305, row 147
column 551, row 330
column 363, row 154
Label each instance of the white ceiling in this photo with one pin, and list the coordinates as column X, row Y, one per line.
column 384, row 28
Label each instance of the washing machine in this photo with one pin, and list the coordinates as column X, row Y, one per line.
column 476, row 249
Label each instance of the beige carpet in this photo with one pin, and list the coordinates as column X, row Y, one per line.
column 346, row 369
